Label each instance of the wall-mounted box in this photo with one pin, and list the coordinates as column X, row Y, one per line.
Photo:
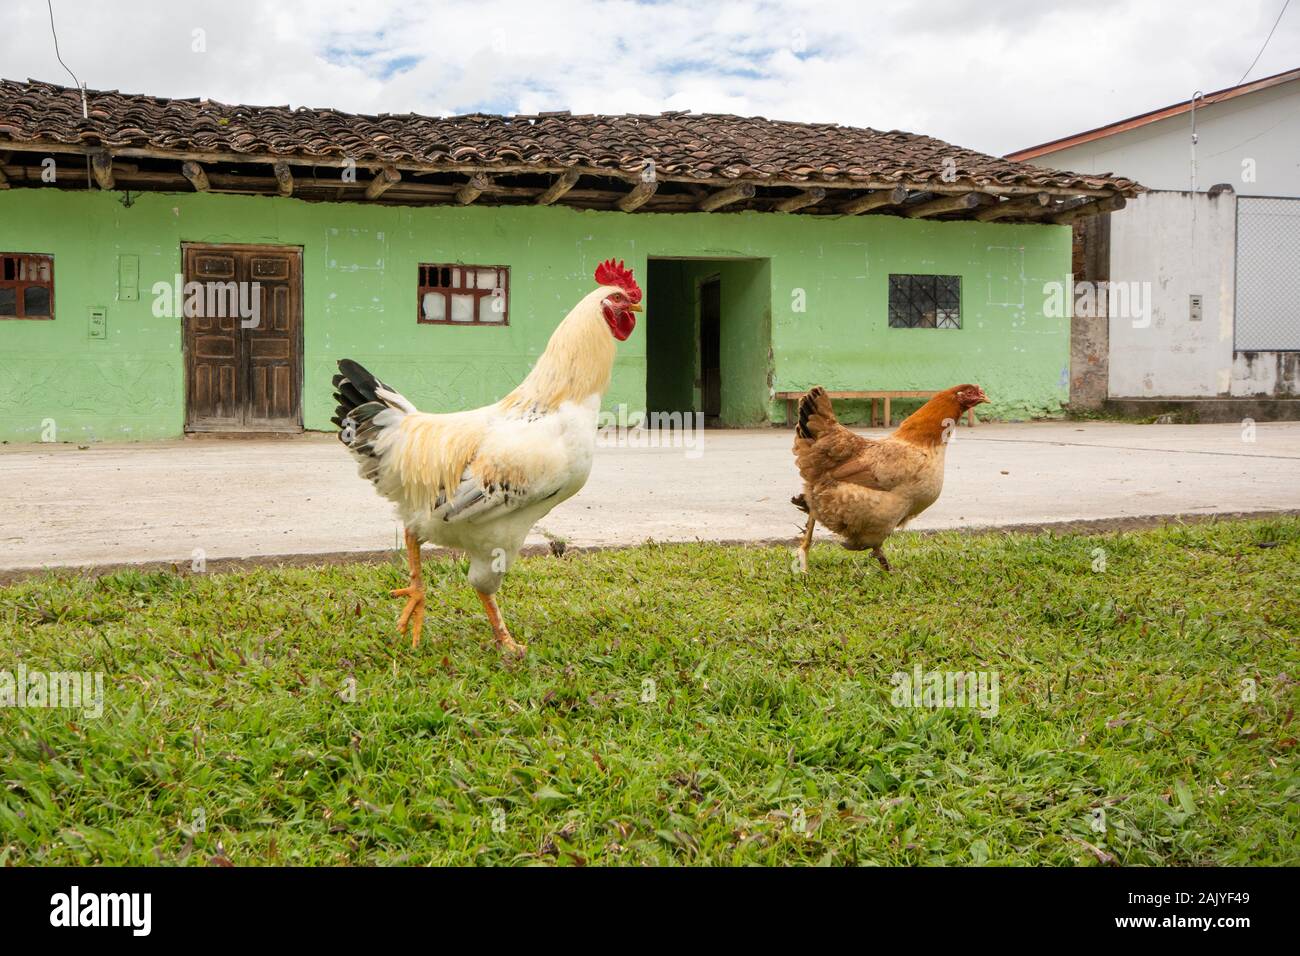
column 128, row 278
column 98, row 322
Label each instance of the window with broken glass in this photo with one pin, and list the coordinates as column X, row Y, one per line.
column 26, row 286
column 924, row 302
column 464, row 295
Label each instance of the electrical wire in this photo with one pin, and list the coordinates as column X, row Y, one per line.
column 1265, row 46
column 85, row 108
column 76, row 82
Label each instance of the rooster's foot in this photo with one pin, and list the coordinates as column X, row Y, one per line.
column 880, row 556
column 508, row 646
column 413, row 613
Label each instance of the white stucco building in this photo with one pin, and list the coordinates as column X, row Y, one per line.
column 1215, row 243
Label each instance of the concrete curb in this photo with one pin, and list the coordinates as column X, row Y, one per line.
column 1090, row 526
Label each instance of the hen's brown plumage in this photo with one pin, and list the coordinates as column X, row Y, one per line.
column 863, row 489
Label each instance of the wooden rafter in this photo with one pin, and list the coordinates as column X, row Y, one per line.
column 120, row 170
column 725, row 197
column 638, row 196
column 467, row 193
column 384, row 180
column 101, row 163
column 947, row 204
column 809, row 197
column 1089, row 208
column 283, row 178
column 196, row 175
column 1026, row 207
column 874, row 200
column 210, row 157
column 562, row 184
column 4, row 180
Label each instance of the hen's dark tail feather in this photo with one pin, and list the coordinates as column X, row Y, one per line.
column 815, row 413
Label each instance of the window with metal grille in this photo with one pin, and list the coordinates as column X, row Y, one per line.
column 464, row 295
column 26, row 286
column 924, row 302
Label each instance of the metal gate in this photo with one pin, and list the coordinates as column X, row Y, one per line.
column 1268, row 274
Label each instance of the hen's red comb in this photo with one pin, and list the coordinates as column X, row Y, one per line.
column 610, row 272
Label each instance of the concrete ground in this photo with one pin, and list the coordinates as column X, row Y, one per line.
column 123, row 504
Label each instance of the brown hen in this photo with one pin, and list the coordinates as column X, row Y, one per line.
column 863, row 489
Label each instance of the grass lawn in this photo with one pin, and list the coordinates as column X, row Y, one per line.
column 679, row 704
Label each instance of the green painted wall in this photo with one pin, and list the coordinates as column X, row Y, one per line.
column 359, row 275
column 746, row 335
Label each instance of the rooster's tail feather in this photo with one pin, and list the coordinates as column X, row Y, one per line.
column 355, row 386
column 815, row 414
column 366, row 407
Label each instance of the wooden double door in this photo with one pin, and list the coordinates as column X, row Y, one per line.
column 243, row 342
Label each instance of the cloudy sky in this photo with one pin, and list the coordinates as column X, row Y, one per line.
column 993, row 75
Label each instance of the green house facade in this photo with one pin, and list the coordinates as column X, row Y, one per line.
column 442, row 253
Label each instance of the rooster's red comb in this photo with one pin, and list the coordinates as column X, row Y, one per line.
column 610, row 272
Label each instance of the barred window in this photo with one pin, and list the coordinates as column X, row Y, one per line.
column 26, row 286
column 464, row 295
column 924, row 302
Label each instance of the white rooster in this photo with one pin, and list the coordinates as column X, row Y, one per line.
column 479, row 480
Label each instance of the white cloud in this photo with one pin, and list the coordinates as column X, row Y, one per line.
column 991, row 76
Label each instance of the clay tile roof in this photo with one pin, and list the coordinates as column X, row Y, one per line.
column 703, row 146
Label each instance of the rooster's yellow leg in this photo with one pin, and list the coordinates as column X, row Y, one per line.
column 505, row 642
column 807, row 543
column 413, row 613
column 880, row 556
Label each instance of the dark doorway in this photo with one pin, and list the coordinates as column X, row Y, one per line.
column 243, row 344
column 708, row 339
column 711, row 350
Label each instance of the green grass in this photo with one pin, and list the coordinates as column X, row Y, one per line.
column 1122, row 690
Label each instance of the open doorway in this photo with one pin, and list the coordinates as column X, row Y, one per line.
column 708, row 338
column 711, row 350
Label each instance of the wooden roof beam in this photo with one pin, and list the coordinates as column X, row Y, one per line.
column 874, row 200
column 725, row 197
column 196, row 175
column 4, row 180
column 639, row 195
column 1026, row 207
column 101, row 163
column 1094, row 207
column 383, row 181
column 283, row 178
column 562, row 184
column 946, row 204
column 467, row 193
column 809, row 197
column 47, row 146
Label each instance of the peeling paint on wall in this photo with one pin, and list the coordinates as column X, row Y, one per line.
column 1275, row 374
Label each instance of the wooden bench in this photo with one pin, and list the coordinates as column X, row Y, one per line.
column 792, row 403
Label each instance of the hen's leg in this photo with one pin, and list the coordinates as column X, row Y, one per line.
column 413, row 613
column 504, row 641
column 807, row 543
column 880, row 556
